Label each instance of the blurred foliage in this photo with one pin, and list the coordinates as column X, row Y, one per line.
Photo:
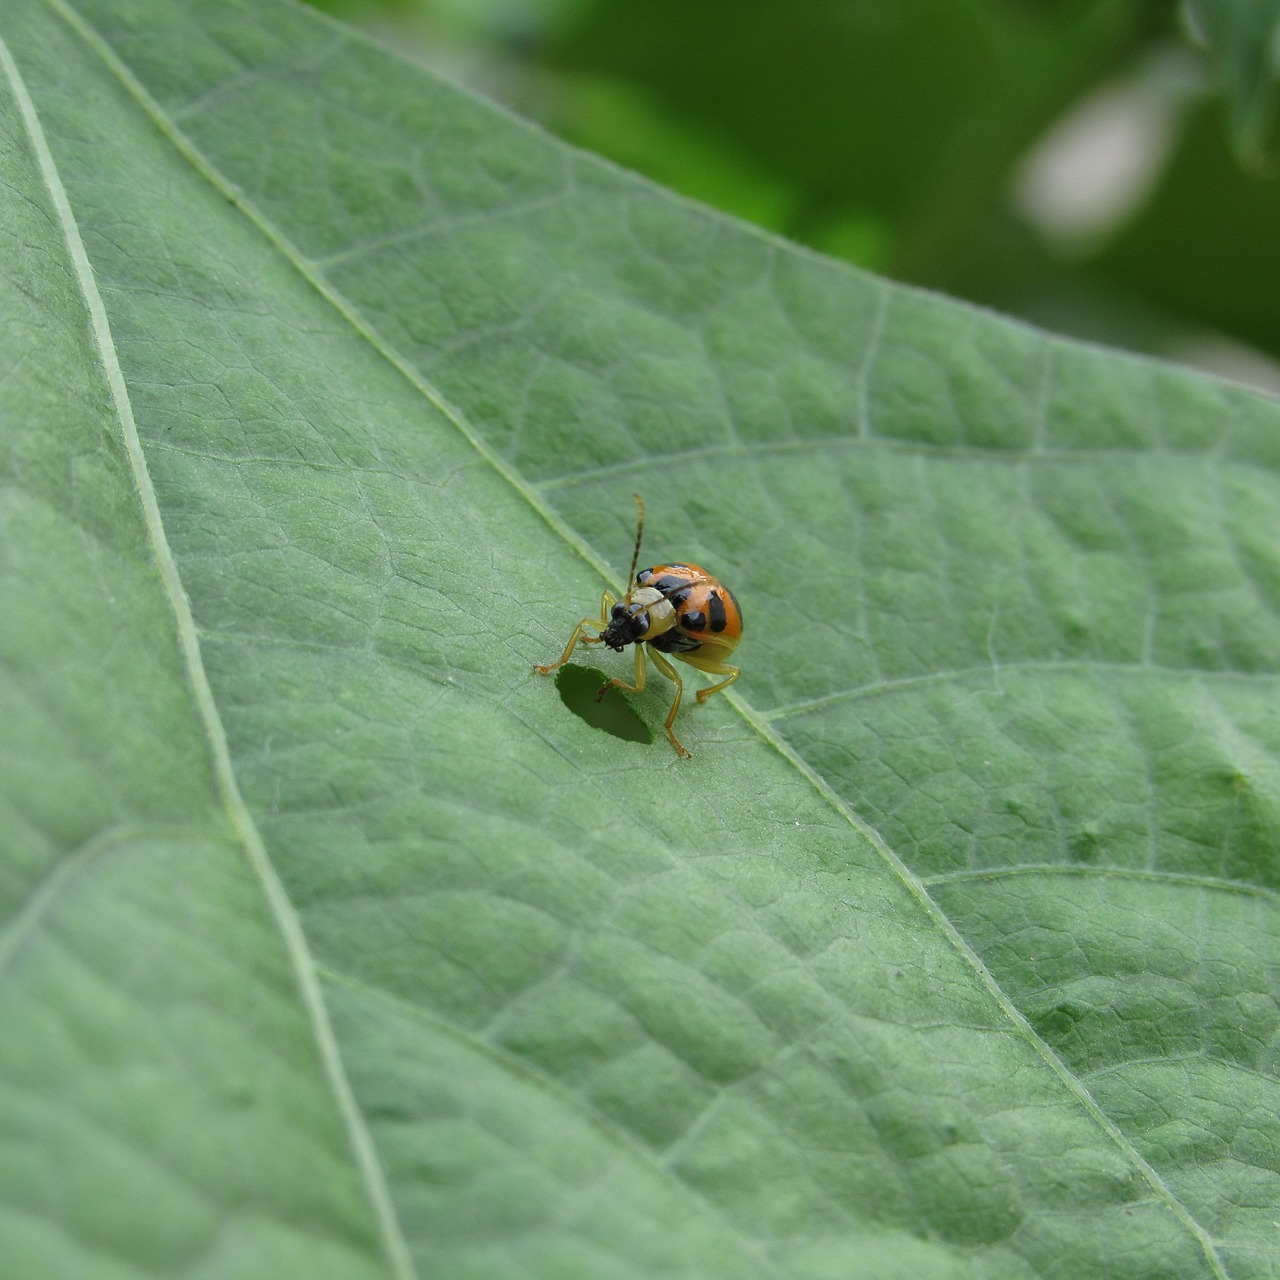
column 1241, row 37
column 896, row 134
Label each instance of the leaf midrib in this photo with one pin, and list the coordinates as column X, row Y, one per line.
column 242, row 820
column 239, row 819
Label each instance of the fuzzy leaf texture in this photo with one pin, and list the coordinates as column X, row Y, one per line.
column 336, row 946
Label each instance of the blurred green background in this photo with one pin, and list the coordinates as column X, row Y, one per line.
column 1105, row 168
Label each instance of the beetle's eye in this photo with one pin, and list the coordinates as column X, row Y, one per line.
column 619, row 609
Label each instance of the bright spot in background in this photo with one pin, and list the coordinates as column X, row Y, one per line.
column 1094, row 169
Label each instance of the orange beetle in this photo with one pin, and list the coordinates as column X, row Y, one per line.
column 676, row 609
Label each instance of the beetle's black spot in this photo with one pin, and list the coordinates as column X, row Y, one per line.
column 680, row 598
column 718, row 617
column 694, row 620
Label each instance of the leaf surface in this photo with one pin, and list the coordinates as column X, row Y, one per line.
column 336, row 945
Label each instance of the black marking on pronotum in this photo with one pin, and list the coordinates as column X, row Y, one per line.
column 716, row 605
column 694, row 620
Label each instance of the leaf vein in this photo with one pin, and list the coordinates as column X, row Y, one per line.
column 522, row 1067
column 1017, row 1020
column 1151, row 874
column 1080, row 666
column 239, row 819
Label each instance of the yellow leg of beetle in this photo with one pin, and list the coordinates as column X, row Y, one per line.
column 667, row 670
column 674, row 676
column 607, row 602
column 717, row 669
column 615, row 683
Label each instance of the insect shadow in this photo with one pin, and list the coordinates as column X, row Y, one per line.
column 579, row 689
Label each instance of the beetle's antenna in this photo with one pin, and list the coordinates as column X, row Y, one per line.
column 635, row 555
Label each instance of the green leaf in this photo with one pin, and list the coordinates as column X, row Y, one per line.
column 1243, row 38
column 336, row 944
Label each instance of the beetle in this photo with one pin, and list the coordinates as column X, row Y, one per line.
column 671, row 609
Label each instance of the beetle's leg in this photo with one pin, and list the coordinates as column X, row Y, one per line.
column 674, row 676
column 718, row 669
column 606, row 603
column 615, row 683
